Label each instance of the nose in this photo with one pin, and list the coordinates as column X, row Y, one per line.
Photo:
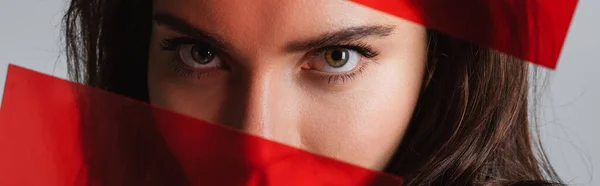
column 262, row 103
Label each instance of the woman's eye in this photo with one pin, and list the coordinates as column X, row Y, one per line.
column 337, row 60
column 198, row 57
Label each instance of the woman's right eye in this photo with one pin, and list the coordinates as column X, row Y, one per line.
column 198, row 57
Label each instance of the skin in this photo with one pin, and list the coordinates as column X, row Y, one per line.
column 287, row 95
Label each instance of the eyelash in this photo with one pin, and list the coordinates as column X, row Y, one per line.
column 335, row 78
column 363, row 49
column 173, row 43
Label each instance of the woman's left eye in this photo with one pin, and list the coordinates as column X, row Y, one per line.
column 336, row 60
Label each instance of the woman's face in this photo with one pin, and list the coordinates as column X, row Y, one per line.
column 331, row 77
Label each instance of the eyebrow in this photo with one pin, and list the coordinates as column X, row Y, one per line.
column 342, row 36
column 333, row 38
column 180, row 25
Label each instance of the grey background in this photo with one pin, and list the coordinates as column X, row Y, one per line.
column 30, row 31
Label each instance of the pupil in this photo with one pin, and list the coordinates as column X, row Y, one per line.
column 201, row 55
column 337, row 55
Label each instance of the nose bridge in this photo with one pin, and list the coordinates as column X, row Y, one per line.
column 259, row 110
column 249, row 105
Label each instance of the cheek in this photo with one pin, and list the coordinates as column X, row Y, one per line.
column 196, row 102
column 365, row 126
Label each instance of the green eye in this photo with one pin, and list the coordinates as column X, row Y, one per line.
column 337, row 57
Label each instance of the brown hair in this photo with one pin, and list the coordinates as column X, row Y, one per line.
column 470, row 125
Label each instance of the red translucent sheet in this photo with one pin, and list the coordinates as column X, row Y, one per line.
column 57, row 133
column 53, row 132
column 533, row 30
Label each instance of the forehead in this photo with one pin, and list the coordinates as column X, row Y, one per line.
column 285, row 19
column 271, row 11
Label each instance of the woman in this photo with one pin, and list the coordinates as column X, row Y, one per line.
column 330, row 77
